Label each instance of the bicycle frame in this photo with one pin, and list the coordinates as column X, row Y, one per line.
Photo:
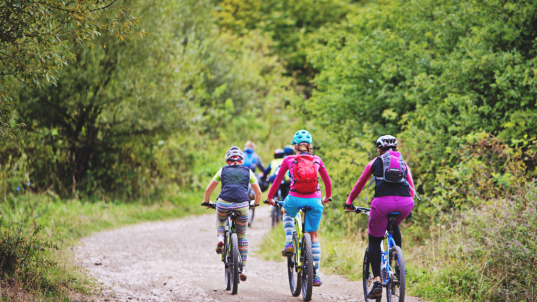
column 299, row 226
column 385, row 265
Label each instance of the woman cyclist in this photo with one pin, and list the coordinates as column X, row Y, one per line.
column 389, row 197
column 302, row 195
column 234, row 196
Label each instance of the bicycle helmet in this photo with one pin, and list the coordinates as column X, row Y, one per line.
column 234, row 151
column 278, row 153
column 289, row 150
column 386, row 141
column 302, row 136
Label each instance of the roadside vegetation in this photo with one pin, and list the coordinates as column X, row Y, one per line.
column 107, row 131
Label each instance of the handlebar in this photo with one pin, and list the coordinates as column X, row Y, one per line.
column 357, row 210
column 212, row 205
column 209, row 205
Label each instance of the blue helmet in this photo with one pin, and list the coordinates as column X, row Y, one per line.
column 302, row 136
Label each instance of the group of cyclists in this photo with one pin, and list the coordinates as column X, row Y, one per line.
column 295, row 171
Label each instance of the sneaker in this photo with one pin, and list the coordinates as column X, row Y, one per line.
column 317, row 281
column 219, row 247
column 243, row 276
column 288, row 248
column 376, row 291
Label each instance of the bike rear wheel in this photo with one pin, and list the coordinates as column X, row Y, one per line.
column 251, row 217
column 293, row 270
column 395, row 291
column 234, row 264
column 307, row 269
column 275, row 217
column 367, row 276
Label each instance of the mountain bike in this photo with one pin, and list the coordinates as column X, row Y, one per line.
column 300, row 266
column 230, row 253
column 393, row 273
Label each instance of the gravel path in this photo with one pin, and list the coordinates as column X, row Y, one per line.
column 175, row 261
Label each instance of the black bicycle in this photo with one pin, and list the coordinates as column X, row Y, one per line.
column 230, row 253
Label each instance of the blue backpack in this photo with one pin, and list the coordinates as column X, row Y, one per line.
column 250, row 161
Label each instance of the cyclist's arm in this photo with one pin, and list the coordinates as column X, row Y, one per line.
column 326, row 181
column 210, row 188
column 257, row 191
column 267, row 170
column 260, row 163
column 278, row 180
column 410, row 182
column 362, row 181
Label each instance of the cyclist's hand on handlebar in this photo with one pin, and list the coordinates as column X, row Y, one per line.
column 349, row 207
column 270, row 201
column 327, row 199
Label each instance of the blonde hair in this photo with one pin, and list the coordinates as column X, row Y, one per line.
column 309, row 148
column 249, row 144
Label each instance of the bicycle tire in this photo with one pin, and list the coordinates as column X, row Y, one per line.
column 226, row 264
column 293, row 271
column 307, row 270
column 367, row 277
column 251, row 217
column 274, row 216
column 234, row 264
column 391, row 288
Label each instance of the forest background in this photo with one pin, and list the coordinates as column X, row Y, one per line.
column 132, row 120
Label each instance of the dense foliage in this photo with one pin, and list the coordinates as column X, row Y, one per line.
column 431, row 71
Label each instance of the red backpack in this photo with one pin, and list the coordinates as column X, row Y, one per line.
column 304, row 174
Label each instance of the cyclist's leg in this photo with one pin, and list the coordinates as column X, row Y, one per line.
column 378, row 222
column 242, row 224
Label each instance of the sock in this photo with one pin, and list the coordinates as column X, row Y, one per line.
column 316, row 249
column 288, row 226
column 220, row 238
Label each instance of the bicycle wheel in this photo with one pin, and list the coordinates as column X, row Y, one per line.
column 274, row 216
column 295, row 278
column 395, row 291
column 307, row 269
column 251, row 217
column 367, row 277
column 234, row 264
column 226, row 257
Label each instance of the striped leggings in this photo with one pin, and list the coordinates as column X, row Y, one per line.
column 241, row 224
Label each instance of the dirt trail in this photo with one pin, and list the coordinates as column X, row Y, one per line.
column 175, row 261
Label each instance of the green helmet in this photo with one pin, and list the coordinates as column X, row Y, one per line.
column 302, row 136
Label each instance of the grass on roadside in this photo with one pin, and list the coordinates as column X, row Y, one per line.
column 36, row 229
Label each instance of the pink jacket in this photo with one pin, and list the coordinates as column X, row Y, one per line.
column 362, row 181
column 286, row 165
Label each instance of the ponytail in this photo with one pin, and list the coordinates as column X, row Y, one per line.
column 308, row 146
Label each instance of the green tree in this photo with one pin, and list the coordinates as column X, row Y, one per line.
column 35, row 37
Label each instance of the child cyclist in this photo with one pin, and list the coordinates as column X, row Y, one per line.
column 234, row 196
column 394, row 192
column 303, row 192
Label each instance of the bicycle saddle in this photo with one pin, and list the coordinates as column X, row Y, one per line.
column 304, row 209
column 393, row 216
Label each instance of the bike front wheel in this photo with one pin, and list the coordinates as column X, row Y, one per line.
column 395, row 290
column 307, row 269
column 233, row 266
column 294, row 270
column 367, row 277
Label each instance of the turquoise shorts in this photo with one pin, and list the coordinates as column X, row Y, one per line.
column 313, row 216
